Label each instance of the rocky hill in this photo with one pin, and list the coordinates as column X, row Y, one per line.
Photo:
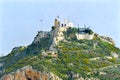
column 60, row 55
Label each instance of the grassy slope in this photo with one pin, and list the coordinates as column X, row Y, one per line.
column 73, row 57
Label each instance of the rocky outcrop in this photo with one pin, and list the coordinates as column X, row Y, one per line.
column 28, row 73
column 107, row 39
column 41, row 34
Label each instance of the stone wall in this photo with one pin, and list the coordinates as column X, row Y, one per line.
column 107, row 39
column 63, row 29
column 84, row 36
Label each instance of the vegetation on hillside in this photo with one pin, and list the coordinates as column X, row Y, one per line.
column 74, row 57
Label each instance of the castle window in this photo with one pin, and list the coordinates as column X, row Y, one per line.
column 62, row 25
column 65, row 24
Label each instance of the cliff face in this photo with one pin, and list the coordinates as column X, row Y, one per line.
column 28, row 73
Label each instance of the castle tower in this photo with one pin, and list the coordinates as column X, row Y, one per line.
column 56, row 23
column 56, row 27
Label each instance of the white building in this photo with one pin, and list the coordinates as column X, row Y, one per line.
column 84, row 33
column 66, row 23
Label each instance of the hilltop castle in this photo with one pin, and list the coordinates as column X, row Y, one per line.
column 60, row 27
column 57, row 34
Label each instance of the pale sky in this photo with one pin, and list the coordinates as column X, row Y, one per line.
column 20, row 19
